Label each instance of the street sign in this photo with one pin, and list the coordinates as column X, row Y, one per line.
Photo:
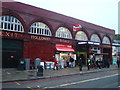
column 77, row 27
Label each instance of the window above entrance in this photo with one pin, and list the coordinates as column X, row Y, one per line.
column 95, row 38
column 106, row 40
column 10, row 23
column 63, row 33
column 40, row 28
column 80, row 35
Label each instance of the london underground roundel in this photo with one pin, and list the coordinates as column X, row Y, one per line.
column 77, row 27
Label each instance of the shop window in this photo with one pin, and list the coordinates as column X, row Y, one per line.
column 106, row 40
column 95, row 38
column 10, row 23
column 80, row 35
column 40, row 29
column 63, row 33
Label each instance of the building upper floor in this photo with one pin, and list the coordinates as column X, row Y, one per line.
column 22, row 18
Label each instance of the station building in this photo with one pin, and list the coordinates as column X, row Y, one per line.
column 32, row 32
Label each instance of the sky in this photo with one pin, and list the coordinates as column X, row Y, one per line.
column 100, row 12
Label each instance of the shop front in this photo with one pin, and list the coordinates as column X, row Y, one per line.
column 86, row 49
column 64, row 51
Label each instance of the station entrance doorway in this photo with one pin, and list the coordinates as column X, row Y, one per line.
column 11, row 52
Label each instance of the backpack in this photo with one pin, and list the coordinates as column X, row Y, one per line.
column 71, row 59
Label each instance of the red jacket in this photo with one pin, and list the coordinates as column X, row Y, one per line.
column 55, row 62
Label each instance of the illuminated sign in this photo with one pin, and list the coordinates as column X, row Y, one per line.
column 82, row 42
column 77, row 27
column 89, row 43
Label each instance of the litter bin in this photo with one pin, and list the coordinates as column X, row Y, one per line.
column 40, row 70
column 37, row 62
column 21, row 64
column 27, row 63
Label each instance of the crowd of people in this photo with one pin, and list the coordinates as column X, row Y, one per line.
column 91, row 63
column 64, row 63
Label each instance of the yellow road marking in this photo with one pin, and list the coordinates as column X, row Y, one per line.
column 30, row 88
column 45, row 87
column 17, row 83
column 66, row 84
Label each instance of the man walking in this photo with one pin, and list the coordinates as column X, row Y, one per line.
column 80, row 64
column 71, row 61
column 88, row 63
column 118, row 62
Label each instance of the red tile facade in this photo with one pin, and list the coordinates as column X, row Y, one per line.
column 44, row 46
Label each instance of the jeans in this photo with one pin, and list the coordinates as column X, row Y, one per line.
column 72, row 65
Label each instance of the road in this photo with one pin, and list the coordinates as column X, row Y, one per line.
column 106, row 79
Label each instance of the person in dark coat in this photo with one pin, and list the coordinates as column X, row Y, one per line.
column 71, row 61
column 118, row 62
column 67, row 62
column 88, row 63
column 98, row 64
column 80, row 64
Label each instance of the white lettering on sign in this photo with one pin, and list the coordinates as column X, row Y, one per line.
column 40, row 38
column 65, row 41
column 10, row 34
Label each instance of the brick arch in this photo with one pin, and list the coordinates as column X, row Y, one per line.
column 43, row 21
column 98, row 36
column 85, row 31
column 63, row 25
column 16, row 15
column 108, row 37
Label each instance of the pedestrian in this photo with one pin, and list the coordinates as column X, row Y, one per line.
column 88, row 63
column 67, row 62
column 118, row 62
column 98, row 64
column 72, row 62
column 80, row 64
column 61, row 62
column 108, row 64
column 55, row 64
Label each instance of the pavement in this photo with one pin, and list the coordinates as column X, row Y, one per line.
column 12, row 74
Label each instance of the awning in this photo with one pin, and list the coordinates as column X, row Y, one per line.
column 64, row 47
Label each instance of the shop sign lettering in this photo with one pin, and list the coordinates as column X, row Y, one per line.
column 40, row 38
column 64, row 41
column 10, row 34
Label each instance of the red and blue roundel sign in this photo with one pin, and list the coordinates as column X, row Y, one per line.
column 77, row 27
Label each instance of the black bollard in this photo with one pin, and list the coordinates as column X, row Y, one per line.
column 39, row 70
